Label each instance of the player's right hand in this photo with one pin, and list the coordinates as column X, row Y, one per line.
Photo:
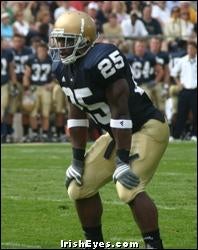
column 75, row 171
column 124, row 175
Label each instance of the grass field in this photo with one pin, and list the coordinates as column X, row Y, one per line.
column 36, row 212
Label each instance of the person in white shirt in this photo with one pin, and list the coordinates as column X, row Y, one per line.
column 161, row 12
column 20, row 26
column 133, row 27
column 185, row 74
column 64, row 6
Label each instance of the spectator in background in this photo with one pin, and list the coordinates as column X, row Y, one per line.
column 43, row 17
column 78, row 5
column 104, row 11
column 92, row 9
column 112, row 28
column 185, row 74
column 136, row 6
column 161, row 12
column 187, row 26
column 173, row 28
column 133, row 27
column 43, row 24
column 7, row 31
column 171, row 4
column 20, row 26
column 64, row 6
column 186, row 7
column 26, row 8
column 152, row 24
column 119, row 8
column 178, row 28
column 5, row 8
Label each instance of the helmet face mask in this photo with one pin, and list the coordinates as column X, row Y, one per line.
column 72, row 37
column 65, row 47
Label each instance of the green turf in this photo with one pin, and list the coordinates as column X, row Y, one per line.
column 36, row 212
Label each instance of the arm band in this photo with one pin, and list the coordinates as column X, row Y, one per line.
column 77, row 123
column 123, row 124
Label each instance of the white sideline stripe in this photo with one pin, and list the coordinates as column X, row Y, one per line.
column 104, row 202
column 14, row 244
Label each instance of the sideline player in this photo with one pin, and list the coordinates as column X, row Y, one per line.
column 8, row 82
column 98, row 82
column 38, row 75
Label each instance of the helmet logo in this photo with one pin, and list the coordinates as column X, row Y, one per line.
column 82, row 25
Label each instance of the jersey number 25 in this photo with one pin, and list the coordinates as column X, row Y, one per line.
column 109, row 65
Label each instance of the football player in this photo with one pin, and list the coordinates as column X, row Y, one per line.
column 38, row 76
column 162, row 57
column 8, row 83
column 21, row 55
column 98, row 82
column 146, row 70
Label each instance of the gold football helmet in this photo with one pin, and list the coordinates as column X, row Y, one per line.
column 28, row 101
column 73, row 34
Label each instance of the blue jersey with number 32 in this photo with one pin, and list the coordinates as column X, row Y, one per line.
column 85, row 84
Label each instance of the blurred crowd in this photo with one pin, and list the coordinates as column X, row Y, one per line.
column 157, row 37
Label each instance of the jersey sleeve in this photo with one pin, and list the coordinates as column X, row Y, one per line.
column 110, row 68
column 166, row 58
column 10, row 56
column 29, row 62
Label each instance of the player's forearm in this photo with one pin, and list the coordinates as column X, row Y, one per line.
column 159, row 73
column 12, row 74
column 78, row 136
column 122, row 138
column 26, row 81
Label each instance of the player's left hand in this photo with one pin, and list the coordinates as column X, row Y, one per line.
column 75, row 171
column 124, row 175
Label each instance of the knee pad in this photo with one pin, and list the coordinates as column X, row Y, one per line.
column 74, row 191
column 127, row 195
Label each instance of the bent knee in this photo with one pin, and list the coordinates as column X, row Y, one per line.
column 128, row 195
column 76, row 192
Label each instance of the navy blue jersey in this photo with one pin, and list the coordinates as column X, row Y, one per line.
column 20, row 58
column 41, row 70
column 143, row 67
column 85, row 84
column 162, row 58
column 6, row 58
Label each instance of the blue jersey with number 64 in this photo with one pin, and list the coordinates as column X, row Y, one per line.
column 85, row 83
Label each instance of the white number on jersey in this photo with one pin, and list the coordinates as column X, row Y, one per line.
column 19, row 63
column 108, row 67
column 138, row 71
column 3, row 66
column 137, row 89
column 41, row 72
column 79, row 94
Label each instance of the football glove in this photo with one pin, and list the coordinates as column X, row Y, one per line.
column 124, row 175
column 75, row 171
column 14, row 90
